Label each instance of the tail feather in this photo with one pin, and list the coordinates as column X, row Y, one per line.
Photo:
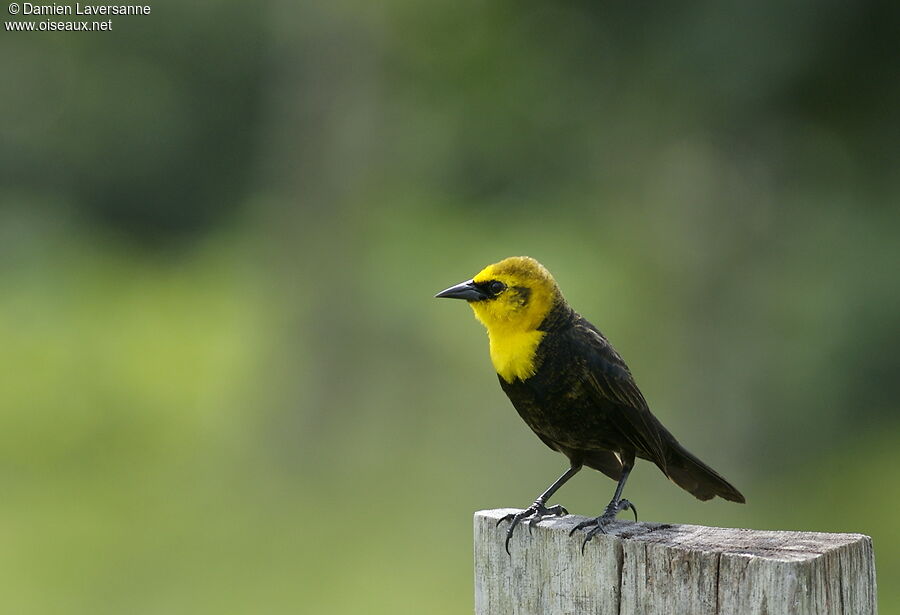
column 696, row 477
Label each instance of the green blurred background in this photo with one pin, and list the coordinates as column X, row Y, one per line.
column 226, row 386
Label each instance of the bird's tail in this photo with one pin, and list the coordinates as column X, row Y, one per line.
column 696, row 477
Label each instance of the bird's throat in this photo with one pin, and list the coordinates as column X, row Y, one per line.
column 513, row 353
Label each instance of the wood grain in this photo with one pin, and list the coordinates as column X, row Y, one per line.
column 648, row 568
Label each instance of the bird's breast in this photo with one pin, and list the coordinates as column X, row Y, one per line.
column 513, row 353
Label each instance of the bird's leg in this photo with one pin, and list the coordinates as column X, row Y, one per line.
column 538, row 511
column 615, row 506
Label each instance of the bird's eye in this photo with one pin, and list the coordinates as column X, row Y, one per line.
column 496, row 287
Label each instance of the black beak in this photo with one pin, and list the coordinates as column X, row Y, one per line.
column 466, row 290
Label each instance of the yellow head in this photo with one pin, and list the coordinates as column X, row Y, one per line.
column 511, row 299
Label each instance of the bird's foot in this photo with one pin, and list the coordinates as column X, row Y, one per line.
column 598, row 525
column 533, row 514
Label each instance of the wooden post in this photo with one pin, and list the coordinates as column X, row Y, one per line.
column 653, row 568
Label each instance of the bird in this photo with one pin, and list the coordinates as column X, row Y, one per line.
column 574, row 391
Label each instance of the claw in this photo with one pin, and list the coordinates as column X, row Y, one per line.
column 506, row 543
column 536, row 518
column 598, row 524
column 625, row 505
column 533, row 515
column 584, row 524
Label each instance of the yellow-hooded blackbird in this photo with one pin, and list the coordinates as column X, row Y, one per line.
column 573, row 390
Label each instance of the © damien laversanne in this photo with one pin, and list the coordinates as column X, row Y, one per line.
column 84, row 9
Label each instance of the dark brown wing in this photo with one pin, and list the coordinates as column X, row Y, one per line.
column 608, row 379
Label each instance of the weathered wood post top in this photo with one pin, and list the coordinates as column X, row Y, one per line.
column 653, row 568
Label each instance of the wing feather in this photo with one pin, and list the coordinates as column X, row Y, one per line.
column 610, row 380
